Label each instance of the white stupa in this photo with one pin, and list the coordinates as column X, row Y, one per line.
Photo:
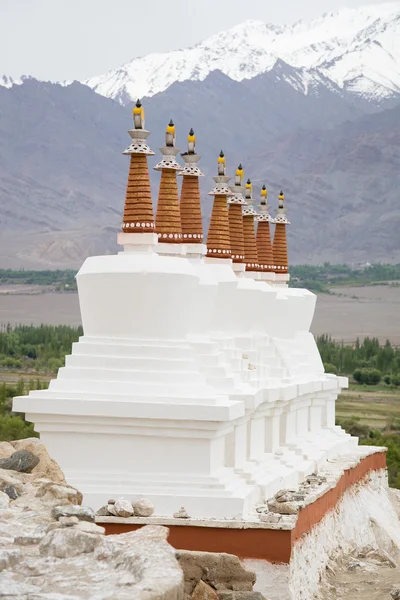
column 193, row 385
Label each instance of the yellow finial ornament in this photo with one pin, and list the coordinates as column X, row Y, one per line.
column 239, row 175
column 191, row 142
column 249, row 185
column 281, row 199
column 138, row 115
column 170, row 134
column 221, row 163
column 264, row 192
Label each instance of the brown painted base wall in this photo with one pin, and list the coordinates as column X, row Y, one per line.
column 267, row 544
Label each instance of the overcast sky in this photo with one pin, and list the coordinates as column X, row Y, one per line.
column 76, row 39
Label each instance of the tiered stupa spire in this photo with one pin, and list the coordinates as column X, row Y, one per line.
column 280, row 243
column 250, row 245
column 138, row 210
column 236, row 201
column 218, row 240
column 264, row 244
column 168, row 217
column 190, row 206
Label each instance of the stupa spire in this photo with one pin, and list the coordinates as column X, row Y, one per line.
column 279, row 247
column 138, row 210
column 190, row 206
column 168, row 217
column 236, row 201
column 218, row 240
column 264, row 244
column 250, row 245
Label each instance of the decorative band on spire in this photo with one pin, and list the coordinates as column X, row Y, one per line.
column 263, row 237
column 218, row 240
column 168, row 217
column 190, row 205
column 138, row 210
column 280, row 242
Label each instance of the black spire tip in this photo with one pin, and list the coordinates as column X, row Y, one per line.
column 221, row 154
column 191, row 132
column 249, row 182
column 138, row 103
column 263, row 187
column 171, row 123
column 240, row 167
column 281, row 194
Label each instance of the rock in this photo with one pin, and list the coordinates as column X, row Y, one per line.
column 47, row 466
column 22, row 461
column 181, row 514
column 68, row 521
column 123, row 508
column 230, row 595
column 202, row 591
column 270, row 517
column 28, row 540
column 83, row 513
column 11, row 492
column 68, row 542
column 4, row 501
column 111, row 509
column 395, row 594
column 112, row 501
column 8, row 479
column 103, row 512
column 356, row 564
column 6, row 449
column 143, row 508
column 90, row 527
column 50, row 492
column 218, row 570
column 284, row 508
column 380, row 556
column 9, row 558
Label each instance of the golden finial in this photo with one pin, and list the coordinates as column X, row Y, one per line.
column 138, row 115
column 191, row 142
column 239, row 175
column 281, row 199
column 170, row 134
column 249, row 189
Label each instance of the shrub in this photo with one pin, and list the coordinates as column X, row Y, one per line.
column 330, row 368
column 367, row 376
column 386, row 379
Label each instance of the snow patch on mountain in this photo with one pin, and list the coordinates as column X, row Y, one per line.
column 357, row 49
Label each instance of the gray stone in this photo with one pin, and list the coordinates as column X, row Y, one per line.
column 270, row 517
column 22, row 461
column 123, row 508
column 11, row 492
column 83, row 513
column 111, row 501
column 111, row 509
column 9, row 558
column 283, row 508
column 181, row 514
column 68, row 542
column 231, row 595
column 143, row 508
column 103, row 512
column 90, row 528
column 28, row 540
column 202, row 591
column 4, row 501
column 68, row 521
column 395, row 594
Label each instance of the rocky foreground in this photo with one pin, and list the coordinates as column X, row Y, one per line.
column 51, row 548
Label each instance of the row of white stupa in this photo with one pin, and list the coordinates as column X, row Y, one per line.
column 191, row 386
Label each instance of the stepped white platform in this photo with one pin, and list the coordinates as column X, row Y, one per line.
column 191, row 386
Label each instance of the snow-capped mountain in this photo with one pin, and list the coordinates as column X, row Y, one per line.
column 356, row 49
